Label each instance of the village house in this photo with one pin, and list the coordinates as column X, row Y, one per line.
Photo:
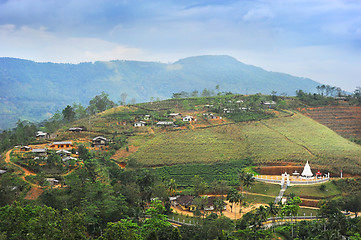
column 2, row 171
column 164, row 123
column 211, row 205
column 67, row 144
column 208, row 106
column 269, row 104
column 25, row 149
column 65, row 159
column 42, row 135
column 230, row 110
column 146, row 117
column 63, row 153
column 175, row 115
column 41, row 152
column 76, row 129
column 53, row 181
column 185, row 202
column 99, row 141
column 210, row 115
column 140, row 124
column 188, row 119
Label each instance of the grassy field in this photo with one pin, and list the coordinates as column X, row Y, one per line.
column 265, row 188
column 218, row 144
column 274, row 141
column 330, row 190
column 321, row 144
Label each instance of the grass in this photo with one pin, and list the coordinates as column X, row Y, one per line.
column 331, row 190
column 323, row 145
column 307, row 212
column 259, row 199
column 274, row 141
column 218, row 144
column 265, row 188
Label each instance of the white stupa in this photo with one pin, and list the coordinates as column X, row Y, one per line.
column 307, row 171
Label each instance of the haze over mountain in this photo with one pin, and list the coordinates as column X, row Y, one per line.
column 34, row 91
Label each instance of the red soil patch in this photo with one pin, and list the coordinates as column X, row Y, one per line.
column 34, row 193
column 344, row 120
column 122, row 153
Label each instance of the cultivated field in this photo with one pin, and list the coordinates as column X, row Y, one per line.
column 344, row 120
column 268, row 142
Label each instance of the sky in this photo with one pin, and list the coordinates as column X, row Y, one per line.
column 318, row 39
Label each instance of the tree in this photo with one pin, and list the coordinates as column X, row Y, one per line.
column 200, row 203
column 248, row 180
column 220, row 187
column 68, row 114
column 262, row 215
column 172, row 187
column 199, row 185
column 123, row 230
column 158, row 223
column 273, row 210
column 123, row 98
column 100, row 103
column 80, row 111
column 235, row 197
column 353, row 204
column 219, row 205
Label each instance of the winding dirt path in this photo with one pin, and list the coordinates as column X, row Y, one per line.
column 26, row 171
column 36, row 190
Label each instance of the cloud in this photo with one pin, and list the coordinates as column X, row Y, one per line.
column 40, row 45
column 258, row 14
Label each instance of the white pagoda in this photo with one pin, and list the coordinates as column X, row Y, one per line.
column 307, row 173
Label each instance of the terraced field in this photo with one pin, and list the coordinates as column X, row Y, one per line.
column 345, row 120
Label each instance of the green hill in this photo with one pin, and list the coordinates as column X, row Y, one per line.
column 275, row 141
column 282, row 138
column 34, row 91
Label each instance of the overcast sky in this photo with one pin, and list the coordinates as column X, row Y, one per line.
column 319, row 39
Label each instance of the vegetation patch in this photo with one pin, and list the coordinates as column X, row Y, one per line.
column 183, row 174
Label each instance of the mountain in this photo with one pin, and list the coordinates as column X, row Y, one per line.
column 34, row 91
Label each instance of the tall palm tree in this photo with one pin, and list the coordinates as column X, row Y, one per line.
column 273, row 210
column 242, row 176
column 248, row 180
column 172, row 187
column 232, row 197
column 262, row 215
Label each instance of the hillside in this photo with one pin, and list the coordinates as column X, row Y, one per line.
column 288, row 137
column 34, row 91
column 293, row 139
column 344, row 120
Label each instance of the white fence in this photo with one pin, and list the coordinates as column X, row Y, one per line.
column 299, row 181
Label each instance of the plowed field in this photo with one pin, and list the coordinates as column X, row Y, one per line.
column 344, row 120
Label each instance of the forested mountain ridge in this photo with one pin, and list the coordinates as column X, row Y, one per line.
column 33, row 91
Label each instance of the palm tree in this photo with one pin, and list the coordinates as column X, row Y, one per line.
column 273, row 210
column 232, row 197
column 219, row 204
column 248, row 180
column 172, row 187
column 262, row 215
column 242, row 176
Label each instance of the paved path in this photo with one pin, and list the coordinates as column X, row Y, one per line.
column 280, row 195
